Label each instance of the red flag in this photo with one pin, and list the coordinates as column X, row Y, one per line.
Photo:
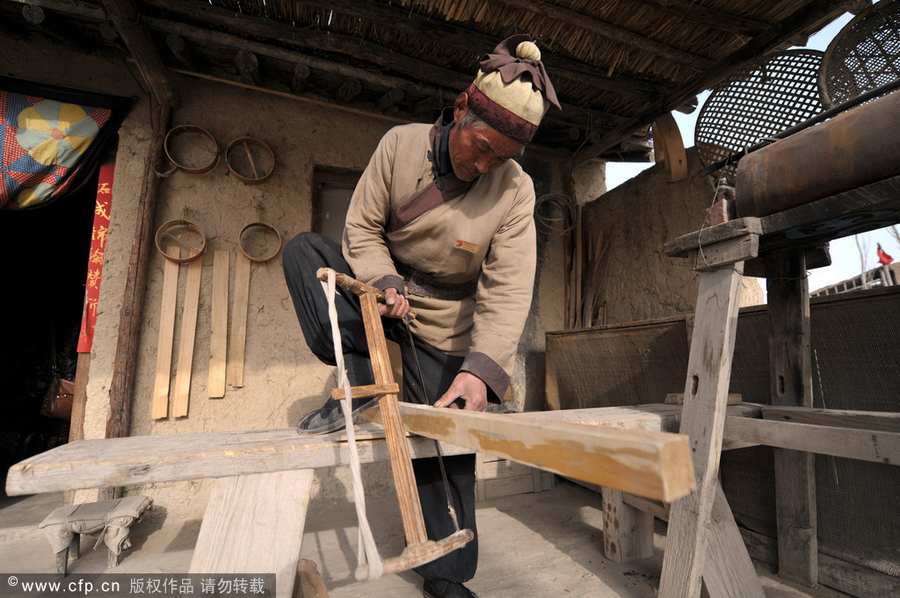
column 883, row 256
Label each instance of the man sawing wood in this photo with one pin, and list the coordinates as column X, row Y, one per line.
column 441, row 221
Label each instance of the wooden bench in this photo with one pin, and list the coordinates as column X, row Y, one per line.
column 264, row 477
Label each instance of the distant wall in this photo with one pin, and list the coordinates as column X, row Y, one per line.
column 628, row 276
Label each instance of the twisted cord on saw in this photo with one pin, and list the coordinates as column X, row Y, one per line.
column 367, row 551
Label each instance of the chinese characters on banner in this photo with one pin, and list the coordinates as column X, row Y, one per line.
column 95, row 257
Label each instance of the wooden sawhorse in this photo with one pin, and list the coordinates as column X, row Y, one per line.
column 703, row 540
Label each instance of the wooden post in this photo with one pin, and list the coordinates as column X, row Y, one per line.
column 790, row 375
column 703, row 419
column 394, row 431
column 124, row 16
column 627, row 532
column 130, row 315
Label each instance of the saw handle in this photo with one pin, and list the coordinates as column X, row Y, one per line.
column 357, row 287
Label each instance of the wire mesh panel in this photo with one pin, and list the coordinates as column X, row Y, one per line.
column 757, row 103
column 864, row 55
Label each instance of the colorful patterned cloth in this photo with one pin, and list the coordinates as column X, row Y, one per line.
column 43, row 142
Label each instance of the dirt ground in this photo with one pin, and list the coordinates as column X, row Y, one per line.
column 531, row 545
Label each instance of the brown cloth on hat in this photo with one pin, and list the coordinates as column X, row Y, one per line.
column 504, row 60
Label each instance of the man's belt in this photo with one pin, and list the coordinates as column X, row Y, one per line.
column 426, row 285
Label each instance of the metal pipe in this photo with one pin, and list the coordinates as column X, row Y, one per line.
column 855, row 148
column 833, row 111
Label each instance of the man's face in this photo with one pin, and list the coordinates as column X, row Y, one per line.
column 478, row 149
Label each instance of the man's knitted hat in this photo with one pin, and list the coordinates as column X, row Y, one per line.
column 512, row 90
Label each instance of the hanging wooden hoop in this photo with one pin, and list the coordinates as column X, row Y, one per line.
column 166, row 228
column 191, row 129
column 259, row 258
column 255, row 175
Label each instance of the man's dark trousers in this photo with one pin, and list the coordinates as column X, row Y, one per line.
column 303, row 256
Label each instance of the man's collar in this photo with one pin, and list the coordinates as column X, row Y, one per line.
column 443, row 163
column 439, row 155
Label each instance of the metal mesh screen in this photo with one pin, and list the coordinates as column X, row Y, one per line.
column 864, row 55
column 757, row 103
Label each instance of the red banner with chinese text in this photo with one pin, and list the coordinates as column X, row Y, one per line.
column 95, row 258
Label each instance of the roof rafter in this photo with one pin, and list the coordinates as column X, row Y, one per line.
column 341, row 44
column 710, row 17
column 613, row 32
column 216, row 38
column 123, row 15
column 476, row 42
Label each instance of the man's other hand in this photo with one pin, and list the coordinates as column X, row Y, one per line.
column 467, row 387
column 395, row 305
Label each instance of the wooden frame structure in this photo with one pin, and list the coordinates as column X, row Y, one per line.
column 396, row 81
column 272, row 470
column 703, row 541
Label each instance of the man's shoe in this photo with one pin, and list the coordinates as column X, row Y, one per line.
column 443, row 588
column 330, row 416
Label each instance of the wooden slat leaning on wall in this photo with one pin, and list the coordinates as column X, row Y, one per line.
column 237, row 344
column 165, row 341
column 181, row 393
column 218, row 337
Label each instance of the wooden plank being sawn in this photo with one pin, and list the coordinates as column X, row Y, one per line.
column 651, row 464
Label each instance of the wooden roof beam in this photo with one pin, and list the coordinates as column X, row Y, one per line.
column 345, row 45
column 216, row 38
column 226, row 40
column 74, row 8
column 710, row 17
column 125, row 18
column 612, row 32
column 411, row 23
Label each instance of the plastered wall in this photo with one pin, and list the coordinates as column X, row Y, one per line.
column 630, row 276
